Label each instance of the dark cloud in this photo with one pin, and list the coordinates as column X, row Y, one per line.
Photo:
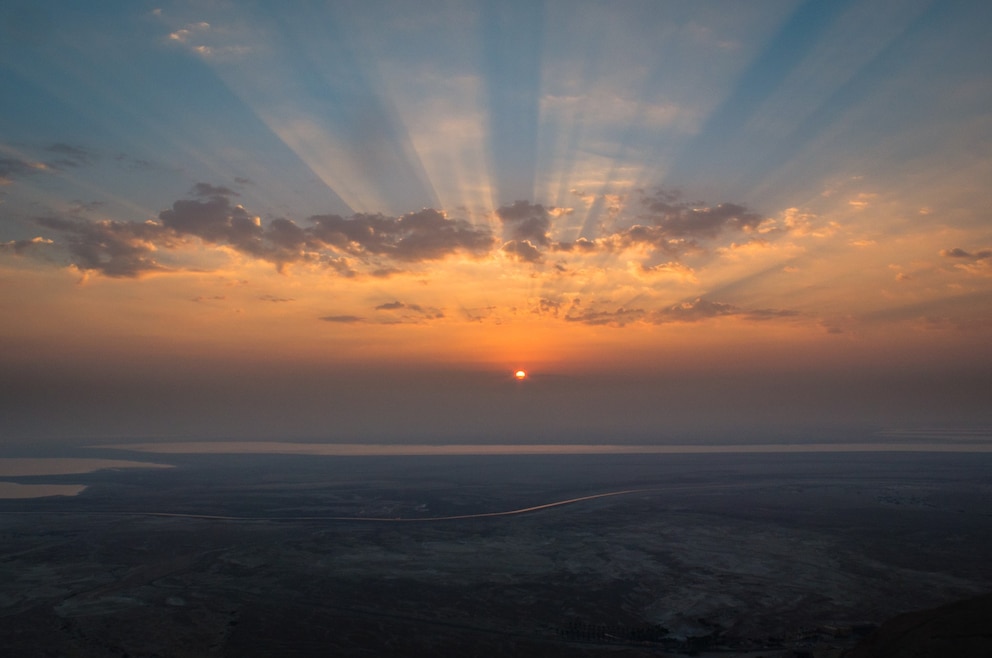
column 617, row 318
column 376, row 244
column 69, row 155
column 548, row 306
column 115, row 249
column 273, row 298
column 523, row 250
column 957, row 252
column 215, row 220
column 207, row 190
column 342, row 319
column 582, row 245
column 21, row 247
column 974, row 263
column 675, row 225
column 411, row 311
column 61, row 156
column 420, row 236
column 770, row 313
column 11, row 168
column 525, row 221
column 286, row 234
column 697, row 310
column 703, row 309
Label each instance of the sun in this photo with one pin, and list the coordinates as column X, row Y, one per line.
column 520, row 374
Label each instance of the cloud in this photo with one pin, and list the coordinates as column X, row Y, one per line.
column 208, row 190
column 215, row 220
column 677, row 228
column 410, row 312
column 11, row 168
column 222, row 42
column 183, row 35
column 125, row 248
column 701, row 309
column 525, row 221
column 975, row 263
column 20, row 247
column 957, row 252
column 69, row 155
column 115, row 249
column 523, row 251
column 60, row 156
column 342, row 319
column 618, row 318
column 582, row 245
column 672, row 269
column 375, row 244
column 547, row 306
column 419, row 236
column 695, row 220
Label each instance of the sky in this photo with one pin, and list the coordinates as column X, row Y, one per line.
column 354, row 221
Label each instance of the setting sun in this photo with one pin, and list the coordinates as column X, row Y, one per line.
column 520, row 374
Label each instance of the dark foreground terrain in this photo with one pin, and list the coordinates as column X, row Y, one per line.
column 750, row 555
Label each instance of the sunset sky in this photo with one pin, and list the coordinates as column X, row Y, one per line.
column 356, row 220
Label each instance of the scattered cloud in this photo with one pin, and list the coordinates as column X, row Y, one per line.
column 12, row 168
column 419, row 236
column 404, row 312
column 681, row 219
column 126, row 248
column 672, row 269
column 68, row 155
column 957, row 252
column 617, row 318
column 523, row 250
column 20, row 247
column 383, row 246
column 201, row 190
column 342, row 319
column 547, row 306
column 526, row 222
column 669, row 225
column 703, row 309
column 975, row 263
column 114, row 249
column 802, row 224
column 862, row 200
column 206, row 40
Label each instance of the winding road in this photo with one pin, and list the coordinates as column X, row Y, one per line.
column 373, row 519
